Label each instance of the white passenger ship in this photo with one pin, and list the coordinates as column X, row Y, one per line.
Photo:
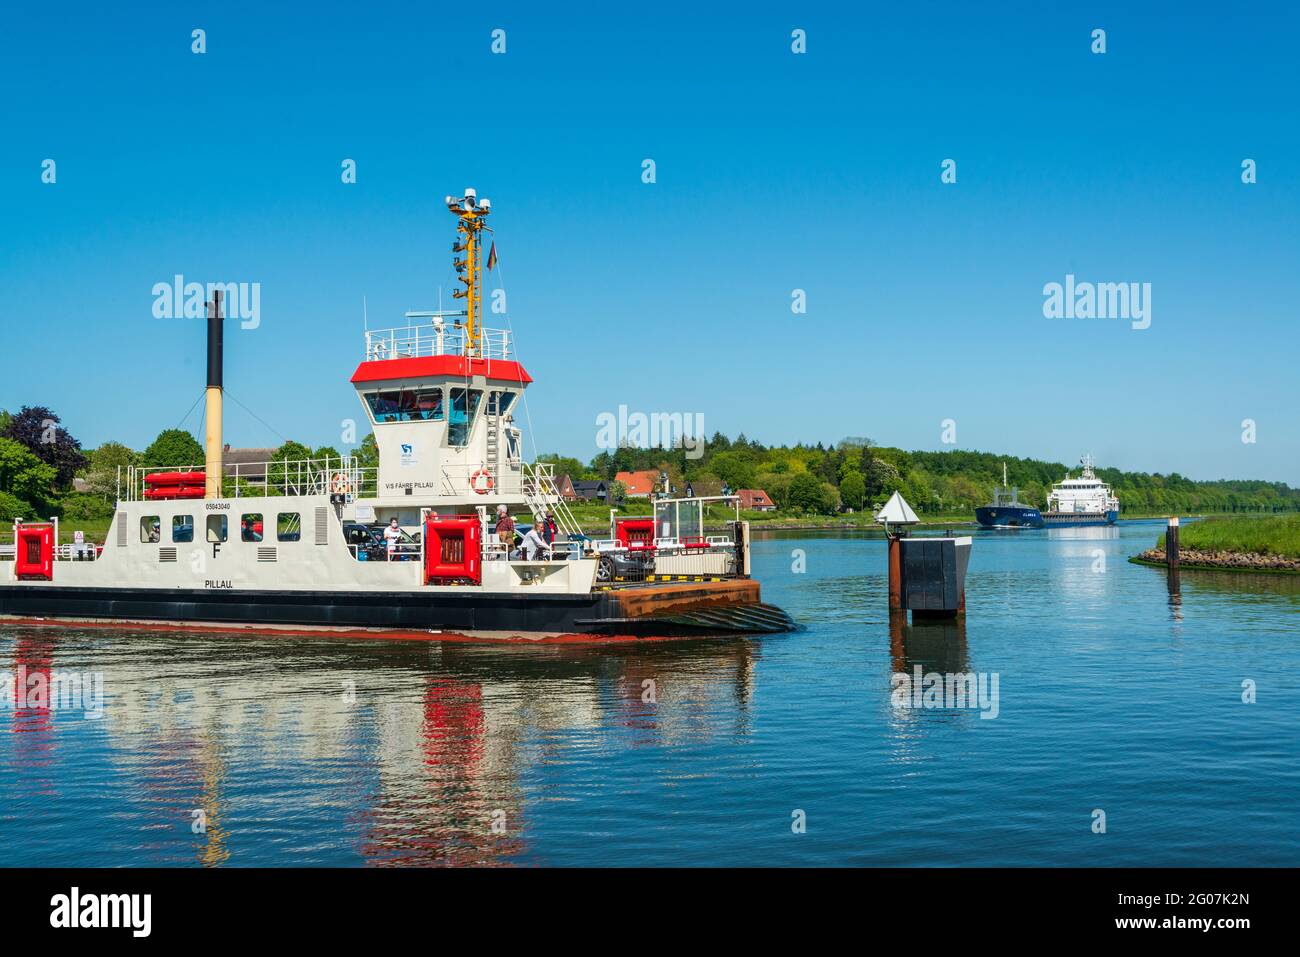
column 1085, row 500
column 297, row 546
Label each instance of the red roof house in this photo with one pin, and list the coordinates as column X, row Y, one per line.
column 755, row 500
column 639, row 484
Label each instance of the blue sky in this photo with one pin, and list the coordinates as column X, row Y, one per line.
column 775, row 171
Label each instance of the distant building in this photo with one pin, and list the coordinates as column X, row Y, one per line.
column 755, row 500
column 564, row 486
column 591, row 491
column 247, row 464
column 639, row 484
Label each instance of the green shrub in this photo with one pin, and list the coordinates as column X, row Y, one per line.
column 11, row 507
column 81, row 507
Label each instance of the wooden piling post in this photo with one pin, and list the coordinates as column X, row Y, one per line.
column 895, row 573
column 1171, row 544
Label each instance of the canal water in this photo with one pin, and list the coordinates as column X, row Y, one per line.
column 1117, row 703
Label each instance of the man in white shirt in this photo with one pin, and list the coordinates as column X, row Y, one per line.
column 392, row 535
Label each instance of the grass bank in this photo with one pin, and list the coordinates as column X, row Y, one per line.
column 1278, row 536
column 1235, row 543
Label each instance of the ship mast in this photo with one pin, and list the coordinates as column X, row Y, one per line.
column 470, row 213
column 213, row 395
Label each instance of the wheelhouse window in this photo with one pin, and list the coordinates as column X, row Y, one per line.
column 384, row 406
column 499, row 402
column 218, row 528
column 150, row 529
column 428, row 405
column 250, row 527
column 406, row 405
column 182, row 528
column 464, row 406
column 288, row 527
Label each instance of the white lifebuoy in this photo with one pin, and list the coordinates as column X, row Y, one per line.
column 339, row 484
column 486, row 486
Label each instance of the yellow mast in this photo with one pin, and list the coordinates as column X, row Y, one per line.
column 213, row 447
column 470, row 213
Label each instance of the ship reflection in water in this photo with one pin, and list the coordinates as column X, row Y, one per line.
column 399, row 754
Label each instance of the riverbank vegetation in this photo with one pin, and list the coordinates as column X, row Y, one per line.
column 1272, row 535
column 857, row 475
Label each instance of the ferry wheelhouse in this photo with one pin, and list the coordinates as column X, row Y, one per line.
column 301, row 546
column 1085, row 500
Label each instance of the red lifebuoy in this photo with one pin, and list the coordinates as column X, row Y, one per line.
column 486, row 486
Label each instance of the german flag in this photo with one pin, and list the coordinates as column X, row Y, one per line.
column 492, row 256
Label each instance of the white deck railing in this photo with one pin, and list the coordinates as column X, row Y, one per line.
column 435, row 337
column 321, row 476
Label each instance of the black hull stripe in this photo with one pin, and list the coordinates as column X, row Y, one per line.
column 396, row 610
column 598, row 614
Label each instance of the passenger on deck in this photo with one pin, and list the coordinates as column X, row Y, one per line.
column 549, row 528
column 505, row 529
column 392, row 535
column 534, row 547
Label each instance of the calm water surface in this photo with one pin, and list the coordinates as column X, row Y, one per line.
column 1113, row 695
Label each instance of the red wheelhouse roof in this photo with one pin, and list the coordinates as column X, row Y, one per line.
column 420, row 367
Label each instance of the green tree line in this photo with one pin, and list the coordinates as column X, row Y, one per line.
column 856, row 473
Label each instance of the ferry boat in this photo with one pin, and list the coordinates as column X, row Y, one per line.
column 1085, row 500
column 1006, row 510
column 299, row 547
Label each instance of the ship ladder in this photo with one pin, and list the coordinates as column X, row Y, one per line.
column 541, row 492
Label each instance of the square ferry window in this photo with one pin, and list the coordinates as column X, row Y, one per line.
column 150, row 529
column 464, row 405
column 288, row 527
column 182, row 528
column 217, row 528
column 250, row 527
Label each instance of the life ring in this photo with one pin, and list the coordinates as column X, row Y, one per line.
column 339, row 484
column 485, row 487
